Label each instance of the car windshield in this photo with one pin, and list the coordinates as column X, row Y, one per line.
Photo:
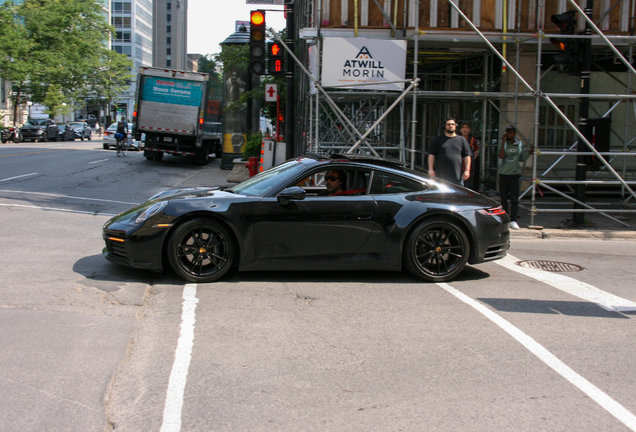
column 75, row 123
column 262, row 183
column 35, row 122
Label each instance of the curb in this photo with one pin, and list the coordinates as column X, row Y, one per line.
column 525, row 233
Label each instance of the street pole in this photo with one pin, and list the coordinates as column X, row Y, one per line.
column 584, row 109
column 289, row 84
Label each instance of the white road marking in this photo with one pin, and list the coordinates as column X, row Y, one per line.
column 20, row 176
column 98, row 161
column 596, row 394
column 68, row 196
column 183, row 355
column 58, row 209
column 571, row 286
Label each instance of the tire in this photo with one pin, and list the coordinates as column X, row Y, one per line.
column 437, row 250
column 106, row 146
column 17, row 138
column 153, row 155
column 202, row 157
column 90, row 137
column 201, row 250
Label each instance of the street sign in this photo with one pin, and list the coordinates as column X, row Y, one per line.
column 271, row 92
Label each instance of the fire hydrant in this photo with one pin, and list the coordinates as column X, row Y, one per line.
column 252, row 166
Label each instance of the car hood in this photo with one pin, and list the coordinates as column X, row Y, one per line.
column 189, row 193
column 32, row 127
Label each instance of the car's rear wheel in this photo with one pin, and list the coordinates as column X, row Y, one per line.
column 106, row 146
column 201, row 250
column 437, row 250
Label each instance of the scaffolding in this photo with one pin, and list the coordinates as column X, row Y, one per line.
column 362, row 121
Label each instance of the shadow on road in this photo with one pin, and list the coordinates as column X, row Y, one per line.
column 97, row 269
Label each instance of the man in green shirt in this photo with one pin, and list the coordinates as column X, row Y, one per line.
column 512, row 153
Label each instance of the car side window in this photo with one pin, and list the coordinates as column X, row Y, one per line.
column 386, row 183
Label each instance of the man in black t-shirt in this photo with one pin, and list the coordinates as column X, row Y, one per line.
column 448, row 153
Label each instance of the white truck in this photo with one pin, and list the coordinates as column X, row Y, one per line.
column 179, row 112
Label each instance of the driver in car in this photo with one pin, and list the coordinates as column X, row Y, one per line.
column 335, row 181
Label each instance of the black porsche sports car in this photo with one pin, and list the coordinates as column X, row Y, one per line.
column 385, row 218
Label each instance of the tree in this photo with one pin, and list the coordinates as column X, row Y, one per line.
column 54, row 50
column 207, row 64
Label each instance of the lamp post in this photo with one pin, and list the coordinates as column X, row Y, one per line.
column 29, row 105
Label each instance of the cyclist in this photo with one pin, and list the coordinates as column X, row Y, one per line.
column 122, row 137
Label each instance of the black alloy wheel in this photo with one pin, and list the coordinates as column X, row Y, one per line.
column 437, row 250
column 201, row 250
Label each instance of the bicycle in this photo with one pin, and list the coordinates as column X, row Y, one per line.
column 122, row 146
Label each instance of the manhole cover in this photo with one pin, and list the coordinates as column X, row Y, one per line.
column 551, row 266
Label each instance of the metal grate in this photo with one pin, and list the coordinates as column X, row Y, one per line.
column 551, row 266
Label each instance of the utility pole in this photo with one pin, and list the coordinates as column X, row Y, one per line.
column 584, row 109
column 290, row 121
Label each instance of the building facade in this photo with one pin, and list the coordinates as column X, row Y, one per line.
column 133, row 22
column 170, row 43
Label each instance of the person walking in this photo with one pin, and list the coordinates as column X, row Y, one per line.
column 512, row 153
column 449, row 155
column 473, row 180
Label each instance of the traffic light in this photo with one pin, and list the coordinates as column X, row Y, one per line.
column 257, row 42
column 570, row 57
column 275, row 62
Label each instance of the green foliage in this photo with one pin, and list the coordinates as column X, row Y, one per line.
column 207, row 64
column 233, row 58
column 54, row 51
column 253, row 145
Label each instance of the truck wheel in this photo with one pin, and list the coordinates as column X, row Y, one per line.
column 153, row 155
column 202, row 157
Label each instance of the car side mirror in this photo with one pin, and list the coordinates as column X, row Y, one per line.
column 293, row 193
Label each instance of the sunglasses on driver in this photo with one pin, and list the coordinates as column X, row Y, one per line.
column 331, row 178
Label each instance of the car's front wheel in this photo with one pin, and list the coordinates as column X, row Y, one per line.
column 201, row 250
column 437, row 250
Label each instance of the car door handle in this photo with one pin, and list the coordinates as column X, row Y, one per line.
column 363, row 216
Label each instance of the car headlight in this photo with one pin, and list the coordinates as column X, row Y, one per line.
column 39, row 131
column 151, row 211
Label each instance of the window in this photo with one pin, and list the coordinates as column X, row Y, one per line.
column 168, row 51
column 122, row 36
column 169, row 6
column 120, row 7
column 553, row 131
column 385, row 183
column 169, row 40
column 120, row 22
column 168, row 63
column 169, row 29
column 169, row 17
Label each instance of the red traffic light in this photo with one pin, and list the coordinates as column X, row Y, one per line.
column 257, row 18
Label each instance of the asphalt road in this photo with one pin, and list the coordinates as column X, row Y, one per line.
column 90, row 346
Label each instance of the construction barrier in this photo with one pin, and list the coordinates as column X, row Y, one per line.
column 272, row 153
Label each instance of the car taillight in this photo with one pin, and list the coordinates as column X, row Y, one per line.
column 494, row 211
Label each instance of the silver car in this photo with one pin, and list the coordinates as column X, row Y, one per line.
column 110, row 141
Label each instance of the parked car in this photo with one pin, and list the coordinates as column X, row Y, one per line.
column 81, row 129
column 65, row 133
column 388, row 217
column 39, row 130
column 110, row 141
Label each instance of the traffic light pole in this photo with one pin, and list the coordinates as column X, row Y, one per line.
column 584, row 112
column 290, row 103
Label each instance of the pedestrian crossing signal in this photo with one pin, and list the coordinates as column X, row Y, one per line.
column 276, row 62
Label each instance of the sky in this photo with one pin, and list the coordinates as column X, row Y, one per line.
column 210, row 22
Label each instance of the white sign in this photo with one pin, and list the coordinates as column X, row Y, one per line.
column 349, row 61
column 239, row 24
column 271, row 92
column 270, row 2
